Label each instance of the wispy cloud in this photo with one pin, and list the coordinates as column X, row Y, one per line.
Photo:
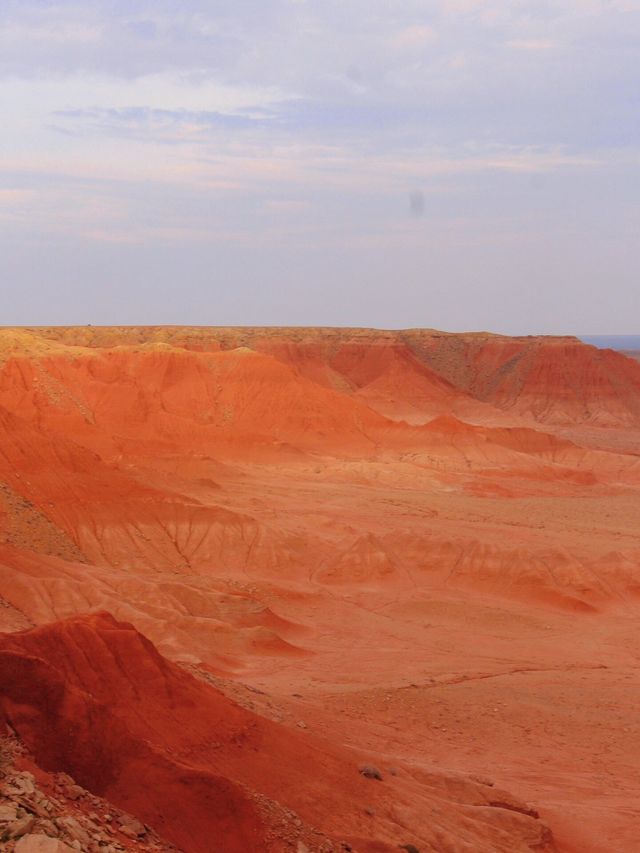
column 292, row 124
column 156, row 125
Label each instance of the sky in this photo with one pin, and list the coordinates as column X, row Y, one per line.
column 452, row 164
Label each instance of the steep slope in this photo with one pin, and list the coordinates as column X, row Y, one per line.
column 92, row 697
column 552, row 380
column 147, row 400
column 381, row 372
column 555, row 380
column 62, row 499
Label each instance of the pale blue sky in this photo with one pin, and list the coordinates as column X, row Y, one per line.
column 459, row 164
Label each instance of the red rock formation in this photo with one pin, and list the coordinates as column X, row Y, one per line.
column 346, row 526
column 93, row 698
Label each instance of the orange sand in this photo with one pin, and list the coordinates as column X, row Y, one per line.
column 423, row 547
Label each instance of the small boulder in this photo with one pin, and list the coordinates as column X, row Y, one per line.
column 48, row 828
column 21, row 826
column 131, row 827
column 8, row 813
column 70, row 827
column 75, row 792
column 370, row 772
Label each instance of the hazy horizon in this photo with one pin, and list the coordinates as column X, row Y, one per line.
column 468, row 164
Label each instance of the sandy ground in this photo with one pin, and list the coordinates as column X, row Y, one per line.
column 451, row 595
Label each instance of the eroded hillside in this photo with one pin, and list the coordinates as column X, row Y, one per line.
column 410, row 549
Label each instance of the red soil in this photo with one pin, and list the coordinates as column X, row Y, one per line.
column 423, row 547
column 92, row 697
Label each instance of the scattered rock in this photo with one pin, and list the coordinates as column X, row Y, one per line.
column 70, row 827
column 41, row 844
column 22, row 783
column 32, row 820
column 39, row 805
column 48, row 828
